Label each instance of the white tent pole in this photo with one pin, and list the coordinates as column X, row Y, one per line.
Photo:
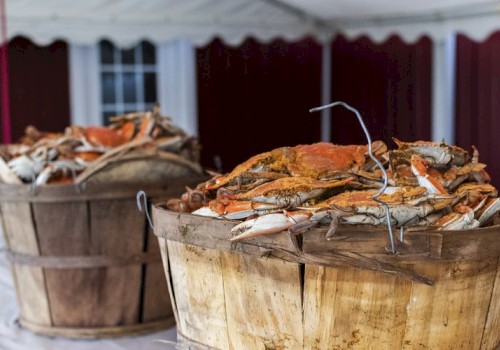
column 326, row 90
column 443, row 89
column 84, row 83
column 177, row 83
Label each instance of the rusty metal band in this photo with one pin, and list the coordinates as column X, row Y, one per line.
column 81, row 262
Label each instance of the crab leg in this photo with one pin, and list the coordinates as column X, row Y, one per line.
column 291, row 191
column 268, row 224
column 489, row 209
column 234, row 210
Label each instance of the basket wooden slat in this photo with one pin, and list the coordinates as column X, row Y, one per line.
column 19, row 231
column 440, row 292
column 154, row 299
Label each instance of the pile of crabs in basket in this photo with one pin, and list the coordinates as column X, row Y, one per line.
column 296, row 188
column 42, row 158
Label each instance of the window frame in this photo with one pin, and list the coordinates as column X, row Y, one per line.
column 139, row 69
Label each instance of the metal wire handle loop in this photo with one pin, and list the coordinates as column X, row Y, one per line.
column 369, row 140
column 32, row 186
column 140, row 207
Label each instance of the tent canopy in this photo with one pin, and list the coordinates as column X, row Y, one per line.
column 127, row 21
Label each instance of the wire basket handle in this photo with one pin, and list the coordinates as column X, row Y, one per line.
column 369, row 140
column 140, row 207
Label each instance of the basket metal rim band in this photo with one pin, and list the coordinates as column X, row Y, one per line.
column 82, row 261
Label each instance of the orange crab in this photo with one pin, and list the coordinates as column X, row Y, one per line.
column 288, row 193
column 438, row 153
column 407, row 205
column 319, row 161
column 439, row 160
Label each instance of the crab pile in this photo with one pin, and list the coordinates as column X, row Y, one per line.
column 44, row 158
column 296, row 188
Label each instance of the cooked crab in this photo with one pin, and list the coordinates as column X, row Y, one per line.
column 44, row 157
column 319, row 161
column 285, row 193
column 407, row 206
column 292, row 191
column 412, row 168
column 438, row 153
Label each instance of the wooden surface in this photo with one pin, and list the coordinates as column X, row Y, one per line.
column 364, row 247
column 256, row 318
column 199, row 294
column 491, row 335
column 244, row 293
column 372, row 309
column 156, row 298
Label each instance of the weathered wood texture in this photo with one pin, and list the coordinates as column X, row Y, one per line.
column 86, row 266
column 262, row 294
column 156, row 298
column 230, row 287
column 20, row 234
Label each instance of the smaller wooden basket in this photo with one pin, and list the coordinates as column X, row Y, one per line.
column 441, row 291
column 85, row 262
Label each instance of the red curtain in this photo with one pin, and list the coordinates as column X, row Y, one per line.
column 388, row 83
column 4, row 110
column 477, row 102
column 39, row 86
column 256, row 97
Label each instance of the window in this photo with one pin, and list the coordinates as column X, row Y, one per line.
column 128, row 78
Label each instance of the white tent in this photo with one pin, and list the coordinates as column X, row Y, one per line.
column 126, row 21
column 196, row 22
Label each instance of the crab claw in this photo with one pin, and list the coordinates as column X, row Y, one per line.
column 268, row 224
column 419, row 168
column 234, row 210
column 457, row 221
column 489, row 210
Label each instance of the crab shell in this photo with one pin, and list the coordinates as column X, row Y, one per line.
column 255, row 164
column 356, row 207
column 490, row 208
column 324, row 160
column 320, row 160
column 457, row 221
column 291, row 191
column 439, row 152
column 406, row 206
column 104, row 137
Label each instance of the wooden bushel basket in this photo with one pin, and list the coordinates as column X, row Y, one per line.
column 85, row 262
column 441, row 291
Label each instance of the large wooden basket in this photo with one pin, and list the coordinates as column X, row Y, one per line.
column 84, row 260
column 441, row 291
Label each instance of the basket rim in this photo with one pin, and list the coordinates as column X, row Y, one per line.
column 90, row 191
column 358, row 247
